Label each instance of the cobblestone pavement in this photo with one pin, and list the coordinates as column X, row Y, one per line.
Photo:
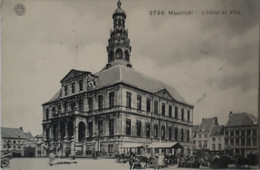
column 82, row 164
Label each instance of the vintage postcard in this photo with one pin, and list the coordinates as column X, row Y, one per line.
column 129, row 84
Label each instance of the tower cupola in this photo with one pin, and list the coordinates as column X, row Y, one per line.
column 119, row 48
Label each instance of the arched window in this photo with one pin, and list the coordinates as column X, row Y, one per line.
column 70, row 129
column 126, row 55
column 119, row 54
column 111, row 56
column 62, row 130
column 81, row 132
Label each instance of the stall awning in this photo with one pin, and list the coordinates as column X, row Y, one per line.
column 132, row 145
column 175, row 145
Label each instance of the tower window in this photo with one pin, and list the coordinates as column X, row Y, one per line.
column 155, row 131
column 148, row 130
column 163, row 109
column 170, row 111
column 138, row 128
column 90, row 104
column 126, row 55
column 66, row 90
column 176, row 112
column 119, row 54
column 156, row 107
column 182, row 114
column 163, row 132
column 81, row 104
column 111, row 56
column 111, row 127
column 100, row 102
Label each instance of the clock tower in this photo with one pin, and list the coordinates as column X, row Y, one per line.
column 119, row 48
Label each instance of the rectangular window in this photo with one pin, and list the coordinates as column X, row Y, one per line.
column 176, row 134
column 59, row 108
column 242, row 132
column 148, row 105
column 81, row 104
column 81, row 85
column 170, row 111
column 111, row 127
column 128, row 127
column 100, row 102
column 139, row 102
column 170, row 133
column 53, row 110
column 242, row 141
column 138, row 128
column 148, row 130
column 232, row 142
column 188, row 115
column 66, row 90
column 188, row 136
column 163, row 132
column 111, row 99
column 205, row 145
column 237, row 133
column 72, row 105
column 213, row 147
column 219, row 147
column 200, row 135
column 90, row 129
column 176, row 112
column 110, row 148
column 90, row 103
column 100, row 127
column 182, row 135
column 237, row 141
column 248, row 141
column 47, row 114
column 213, row 139
column 66, row 106
column 155, row 107
column 232, row 133
column 248, row 132
column 182, row 114
column 155, row 131
column 163, row 109
column 72, row 87
column 128, row 100
column 254, row 132
column 200, row 144
column 254, row 141
column 205, row 135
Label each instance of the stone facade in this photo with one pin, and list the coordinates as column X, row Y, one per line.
column 100, row 112
column 241, row 134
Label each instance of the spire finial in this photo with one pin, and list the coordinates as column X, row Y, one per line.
column 119, row 4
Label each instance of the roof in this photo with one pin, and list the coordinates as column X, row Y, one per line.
column 194, row 128
column 123, row 74
column 241, row 119
column 218, row 130
column 12, row 133
column 56, row 96
column 28, row 135
column 206, row 124
column 165, row 145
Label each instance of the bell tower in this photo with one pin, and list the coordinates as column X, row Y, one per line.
column 119, row 48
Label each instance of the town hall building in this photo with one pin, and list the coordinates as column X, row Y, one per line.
column 117, row 108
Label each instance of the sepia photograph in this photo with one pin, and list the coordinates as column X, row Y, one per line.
column 129, row 84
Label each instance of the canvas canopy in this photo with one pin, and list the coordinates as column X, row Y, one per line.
column 132, row 145
column 175, row 145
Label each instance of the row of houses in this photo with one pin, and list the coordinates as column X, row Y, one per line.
column 20, row 143
column 237, row 137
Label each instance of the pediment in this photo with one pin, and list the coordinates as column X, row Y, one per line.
column 73, row 74
column 163, row 93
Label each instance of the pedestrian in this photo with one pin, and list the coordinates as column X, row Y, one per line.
column 51, row 156
column 131, row 161
column 155, row 162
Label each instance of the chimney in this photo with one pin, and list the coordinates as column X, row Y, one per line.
column 230, row 113
column 21, row 128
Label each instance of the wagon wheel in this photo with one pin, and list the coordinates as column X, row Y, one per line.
column 4, row 163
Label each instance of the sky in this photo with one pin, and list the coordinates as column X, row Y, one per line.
column 211, row 60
